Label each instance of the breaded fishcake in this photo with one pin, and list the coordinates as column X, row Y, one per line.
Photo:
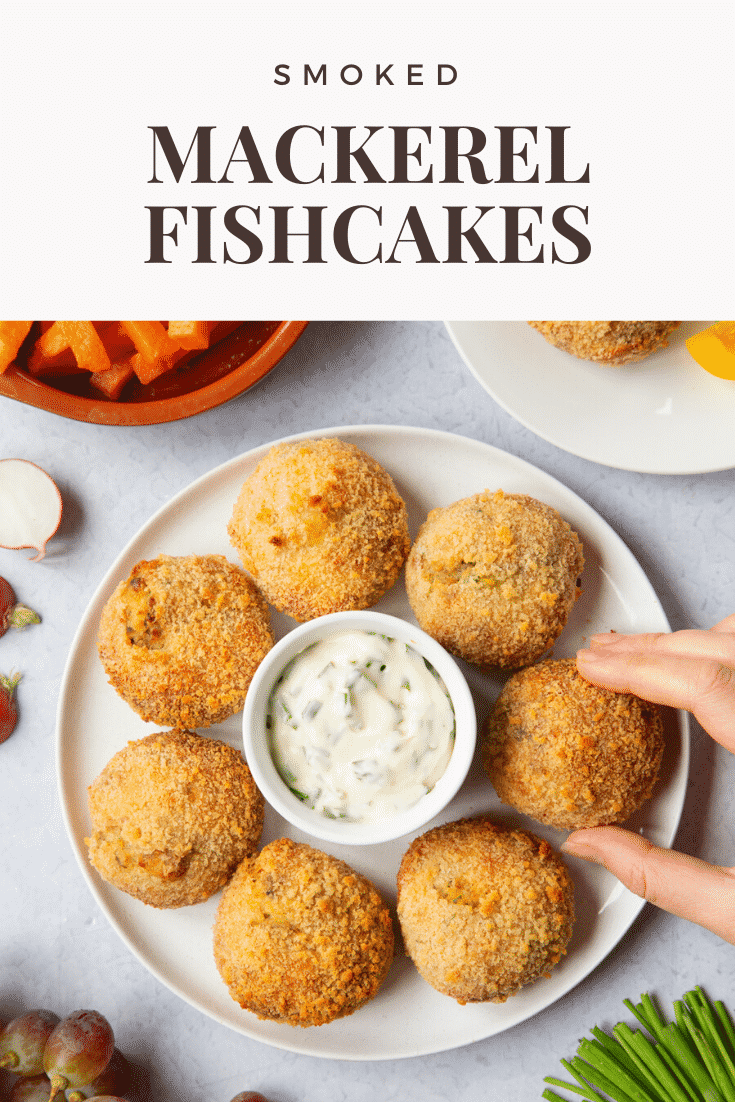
column 173, row 815
column 607, row 342
column 483, row 909
column 320, row 526
column 300, row 937
column 181, row 638
column 494, row 577
column 568, row 753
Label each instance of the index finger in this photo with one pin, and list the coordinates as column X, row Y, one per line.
column 680, row 884
column 717, row 644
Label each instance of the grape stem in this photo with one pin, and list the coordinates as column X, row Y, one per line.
column 59, row 1083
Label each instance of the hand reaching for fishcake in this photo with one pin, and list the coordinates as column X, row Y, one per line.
column 686, row 669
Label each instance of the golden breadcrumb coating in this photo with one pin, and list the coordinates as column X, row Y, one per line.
column 300, row 937
column 483, row 909
column 494, row 577
column 320, row 526
column 568, row 753
column 181, row 638
column 607, row 342
column 173, row 815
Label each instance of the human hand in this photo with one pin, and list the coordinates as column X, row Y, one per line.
column 687, row 669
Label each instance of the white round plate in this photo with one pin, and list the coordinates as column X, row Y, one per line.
column 664, row 415
column 408, row 1017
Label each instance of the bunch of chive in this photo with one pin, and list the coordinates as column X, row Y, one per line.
column 691, row 1059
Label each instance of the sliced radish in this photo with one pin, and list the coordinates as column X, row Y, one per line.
column 30, row 506
column 13, row 614
column 8, row 707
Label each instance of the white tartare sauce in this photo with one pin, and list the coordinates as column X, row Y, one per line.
column 360, row 726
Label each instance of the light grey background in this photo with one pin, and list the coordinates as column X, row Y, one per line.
column 58, row 951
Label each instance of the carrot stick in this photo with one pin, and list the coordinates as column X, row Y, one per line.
column 151, row 339
column 86, row 345
column 113, row 379
column 189, row 334
column 12, row 335
column 147, row 371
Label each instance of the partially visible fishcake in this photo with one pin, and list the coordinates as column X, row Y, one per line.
column 607, row 342
column 173, row 815
column 493, row 577
column 484, row 910
column 300, row 937
column 569, row 753
column 181, row 638
column 321, row 527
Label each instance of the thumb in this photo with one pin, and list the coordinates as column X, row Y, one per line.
column 683, row 885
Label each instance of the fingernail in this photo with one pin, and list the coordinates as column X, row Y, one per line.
column 606, row 638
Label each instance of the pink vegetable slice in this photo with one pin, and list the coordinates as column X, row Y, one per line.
column 30, row 506
column 13, row 615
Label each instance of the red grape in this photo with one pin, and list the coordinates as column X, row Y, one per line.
column 7, row 604
column 34, row 1089
column 22, row 1042
column 117, row 1076
column 249, row 1096
column 12, row 614
column 78, row 1050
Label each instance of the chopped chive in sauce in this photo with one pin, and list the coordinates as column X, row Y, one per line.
column 360, row 698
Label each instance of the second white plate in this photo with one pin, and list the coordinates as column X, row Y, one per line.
column 408, row 1017
column 664, row 415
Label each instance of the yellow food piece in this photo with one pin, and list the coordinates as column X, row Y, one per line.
column 714, row 349
column 725, row 330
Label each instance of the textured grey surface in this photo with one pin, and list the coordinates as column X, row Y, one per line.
column 57, row 949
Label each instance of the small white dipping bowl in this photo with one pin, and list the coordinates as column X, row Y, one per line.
column 274, row 788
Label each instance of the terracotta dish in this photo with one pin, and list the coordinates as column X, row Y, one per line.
column 228, row 368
